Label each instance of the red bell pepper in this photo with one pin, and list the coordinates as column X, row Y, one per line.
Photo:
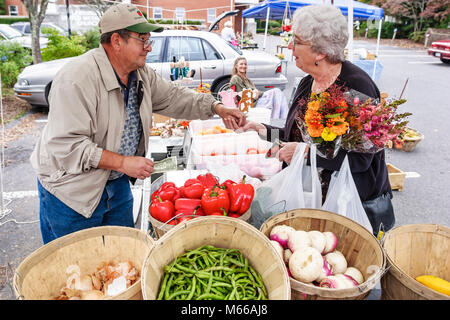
column 162, row 210
column 241, row 197
column 186, row 204
column 188, row 215
column 221, row 213
column 194, row 191
column 234, row 215
column 169, row 193
column 227, row 184
column 214, row 200
column 189, row 182
column 207, row 179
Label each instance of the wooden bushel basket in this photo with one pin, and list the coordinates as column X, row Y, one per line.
column 221, row 232
column 414, row 250
column 161, row 228
column 43, row 273
column 360, row 248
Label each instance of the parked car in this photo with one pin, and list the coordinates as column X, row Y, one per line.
column 7, row 33
column 208, row 54
column 440, row 49
column 24, row 27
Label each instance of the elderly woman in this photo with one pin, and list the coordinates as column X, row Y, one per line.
column 320, row 37
column 228, row 32
column 273, row 99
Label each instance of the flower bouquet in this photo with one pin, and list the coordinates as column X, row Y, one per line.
column 325, row 121
column 374, row 124
column 350, row 120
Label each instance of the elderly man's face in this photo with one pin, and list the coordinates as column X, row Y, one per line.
column 135, row 50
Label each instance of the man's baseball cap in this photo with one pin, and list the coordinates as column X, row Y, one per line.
column 126, row 16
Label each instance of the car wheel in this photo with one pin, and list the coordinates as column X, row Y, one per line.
column 445, row 61
column 222, row 85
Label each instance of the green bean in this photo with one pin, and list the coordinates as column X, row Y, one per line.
column 176, row 293
column 169, row 284
column 206, row 296
column 193, row 287
column 208, row 288
column 163, row 287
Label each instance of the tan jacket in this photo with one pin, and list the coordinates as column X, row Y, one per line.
column 87, row 115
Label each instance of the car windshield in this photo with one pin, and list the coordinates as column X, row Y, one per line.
column 233, row 47
column 10, row 33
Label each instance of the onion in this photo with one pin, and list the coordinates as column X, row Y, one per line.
column 278, row 248
column 298, row 240
column 287, row 255
column 306, row 264
column 332, row 242
column 337, row 262
column 318, row 240
column 280, row 234
column 355, row 274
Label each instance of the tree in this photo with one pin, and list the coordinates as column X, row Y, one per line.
column 99, row 6
column 36, row 12
column 416, row 10
column 2, row 7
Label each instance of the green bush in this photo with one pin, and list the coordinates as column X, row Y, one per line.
column 12, row 19
column 13, row 59
column 59, row 46
column 91, row 38
column 418, row 36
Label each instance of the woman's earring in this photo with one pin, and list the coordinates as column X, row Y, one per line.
column 316, row 63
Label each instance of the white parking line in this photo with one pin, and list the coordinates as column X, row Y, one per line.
column 424, row 62
column 20, row 194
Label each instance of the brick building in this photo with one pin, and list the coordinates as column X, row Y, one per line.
column 205, row 11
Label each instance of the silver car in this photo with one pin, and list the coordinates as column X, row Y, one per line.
column 24, row 27
column 209, row 55
column 8, row 33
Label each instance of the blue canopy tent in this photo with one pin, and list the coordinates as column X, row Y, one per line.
column 276, row 10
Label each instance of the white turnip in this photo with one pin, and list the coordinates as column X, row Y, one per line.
column 278, row 248
column 326, row 270
column 306, row 264
column 338, row 281
column 331, row 243
column 280, row 234
column 287, row 255
column 355, row 274
column 298, row 239
column 318, row 240
column 337, row 262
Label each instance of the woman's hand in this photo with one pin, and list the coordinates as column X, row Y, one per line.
column 286, row 153
column 255, row 126
column 232, row 117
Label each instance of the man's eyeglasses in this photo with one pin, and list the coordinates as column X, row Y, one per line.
column 146, row 42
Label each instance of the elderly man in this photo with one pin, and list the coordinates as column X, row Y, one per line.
column 98, row 126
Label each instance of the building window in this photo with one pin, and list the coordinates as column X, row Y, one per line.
column 13, row 10
column 157, row 13
column 180, row 14
column 211, row 15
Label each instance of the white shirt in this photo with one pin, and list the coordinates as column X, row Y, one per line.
column 228, row 34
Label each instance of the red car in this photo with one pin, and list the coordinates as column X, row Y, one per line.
column 441, row 49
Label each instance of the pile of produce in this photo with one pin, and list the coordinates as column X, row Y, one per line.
column 214, row 130
column 210, row 273
column 435, row 283
column 311, row 257
column 108, row 280
column 201, row 196
column 170, row 128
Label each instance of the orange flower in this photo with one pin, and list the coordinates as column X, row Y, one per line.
column 314, row 105
column 340, row 126
column 315, row 130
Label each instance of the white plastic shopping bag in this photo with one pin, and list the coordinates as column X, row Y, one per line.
column 296, row 186
column 343, row 198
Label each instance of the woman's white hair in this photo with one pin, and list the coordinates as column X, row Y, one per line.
column 228, row 24
column 324, row 27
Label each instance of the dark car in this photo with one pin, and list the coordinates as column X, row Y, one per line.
column 441, row 49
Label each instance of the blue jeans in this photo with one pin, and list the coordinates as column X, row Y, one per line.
column 115, row 208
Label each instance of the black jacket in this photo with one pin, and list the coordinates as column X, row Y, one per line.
column 369, row 170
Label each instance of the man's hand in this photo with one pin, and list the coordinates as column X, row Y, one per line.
column 286, row 153
column 255, row 126
column 132, row 166
column 232, row 117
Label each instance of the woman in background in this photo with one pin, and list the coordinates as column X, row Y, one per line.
column 273, row 99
